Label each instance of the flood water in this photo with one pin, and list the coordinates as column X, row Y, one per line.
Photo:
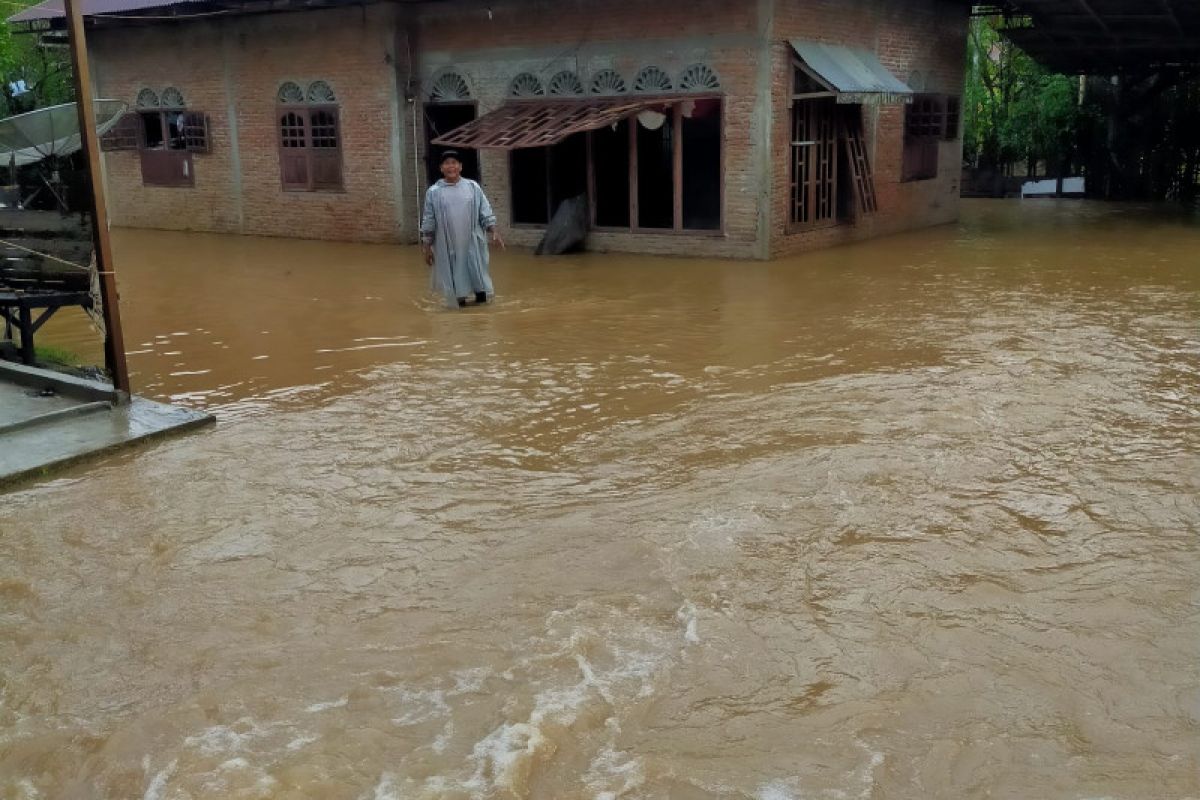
column 916, row 518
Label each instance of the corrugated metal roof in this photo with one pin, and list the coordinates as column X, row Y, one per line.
column 1103, row 37
column 53, row 9
column 855, row 74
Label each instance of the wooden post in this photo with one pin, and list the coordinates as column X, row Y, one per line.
column 27, row 354
column 114, row 339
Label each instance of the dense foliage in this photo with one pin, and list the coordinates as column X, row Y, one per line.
column 31, row 76
column 1131, row 135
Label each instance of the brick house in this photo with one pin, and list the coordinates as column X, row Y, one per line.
column 738, row 128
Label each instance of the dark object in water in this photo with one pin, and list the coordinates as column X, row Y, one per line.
column 567, row 229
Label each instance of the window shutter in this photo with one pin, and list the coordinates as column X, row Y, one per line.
column 862, row 179
column 920, row 158
column 326, row 169
column 195, row 132
column 167, row 168
column 293, row 168
column 293, row 149
column 125, row 135
column 953, row 110
column 325, row 148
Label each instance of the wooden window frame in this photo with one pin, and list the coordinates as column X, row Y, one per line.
column 156, row 161
column 834, row 144
column 425, row 138
column 931, row 118
column 129, row 135
column 306, row 112
column 512, row 190
column 677, row 228
column 953, row 117
column 125, row 135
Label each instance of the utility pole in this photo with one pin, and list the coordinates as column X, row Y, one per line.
column 114, row 339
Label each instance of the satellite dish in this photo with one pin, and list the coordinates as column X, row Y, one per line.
column 53, row 131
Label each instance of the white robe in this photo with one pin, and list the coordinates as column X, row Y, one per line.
column 455, row 222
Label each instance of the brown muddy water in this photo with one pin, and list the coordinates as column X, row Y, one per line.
column 916, row 518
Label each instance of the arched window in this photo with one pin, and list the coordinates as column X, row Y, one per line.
column 526, row 85
column 652, row 80
column 310, row 138
column 172, row 98
column 449, row 87
column 566, row 83
column 319, row 93
column 165, row 132
column 451, row 105
column 608, row 81
column 698, row 78
column 290, row 94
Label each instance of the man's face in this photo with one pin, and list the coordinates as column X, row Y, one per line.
column 451, row 169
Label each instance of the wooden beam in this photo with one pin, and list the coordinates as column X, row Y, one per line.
column 114, row 339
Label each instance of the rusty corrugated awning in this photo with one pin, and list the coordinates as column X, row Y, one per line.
column 540, row 123
column 854, row 74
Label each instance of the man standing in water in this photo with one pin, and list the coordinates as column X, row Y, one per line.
column 456, row 215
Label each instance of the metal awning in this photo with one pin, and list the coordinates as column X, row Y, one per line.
column 1102, row 37
column 854, row 74
column 540, row 123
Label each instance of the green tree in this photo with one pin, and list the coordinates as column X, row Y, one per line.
column 31, row 74
column 1015, row 109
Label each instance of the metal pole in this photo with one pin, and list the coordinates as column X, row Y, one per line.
column 114, row 340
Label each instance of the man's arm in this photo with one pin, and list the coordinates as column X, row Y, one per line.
column 428, row 226
column 487, row 217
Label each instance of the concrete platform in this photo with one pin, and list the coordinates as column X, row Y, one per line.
column 48, row 419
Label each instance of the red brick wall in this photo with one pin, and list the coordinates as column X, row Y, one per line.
column 924, row 39
column 240, row 63
column 547, row 37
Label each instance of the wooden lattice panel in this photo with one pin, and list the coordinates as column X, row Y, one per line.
column 814, row 163
column 862, row 179
column 539, row 124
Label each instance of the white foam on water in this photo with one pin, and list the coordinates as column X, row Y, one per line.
column 158, row 784
column 504, row 757
column 440, row 744
column 469, row 680
column 421, row 705
column 866, row 775
column 719, row 529
column 614, row 774
column 315, row 707
column 301, row 741
column 687, row 615
column 617, row 660
column 224, row 738
column 862, row 777
column 27, row 790
column 387, row 789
